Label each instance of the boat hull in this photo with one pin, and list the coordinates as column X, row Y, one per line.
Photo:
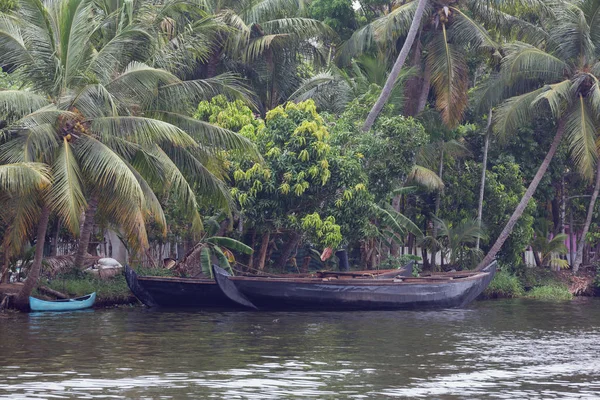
column 368, row 294
column 154, row 291
column 78, row 303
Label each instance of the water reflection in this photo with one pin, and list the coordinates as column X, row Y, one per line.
column 495, row 349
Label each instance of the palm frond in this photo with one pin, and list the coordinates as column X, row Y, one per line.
column 449, row 78
column 211, row 136
column 66, row 194
column 526, row 61
column 558, row 95
column 103, row 168
column 141, row 130
column 177, row 183
column 23, row 178
column 581, row 131
column 15, row 104
column 466, row 30
column 426, row 178
column 515, row 113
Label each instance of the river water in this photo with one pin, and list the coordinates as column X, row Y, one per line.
column 506, row 349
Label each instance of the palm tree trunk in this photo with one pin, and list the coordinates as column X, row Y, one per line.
column 588, row 220
column 5, row 267
column 55, row 235
column 22, row 299
column 263, row 251
column 391, row 80
column 86, row 231
column 424, row 91
column 560, row 131
column 572, row 240
column 486, row 145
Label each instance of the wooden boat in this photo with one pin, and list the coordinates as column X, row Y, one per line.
column 164, row 291
column 78, row 303
column 442, row 290
column 161, row 291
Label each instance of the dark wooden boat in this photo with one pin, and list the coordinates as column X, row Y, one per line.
column 442, row 290
column 161, row 291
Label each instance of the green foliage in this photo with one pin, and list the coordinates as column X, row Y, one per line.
column 387, row 152
column 397, row 262
column 324, row 232
column 7, row 6
column 553, row 292
column 504, row 285
column 304, row 184
column 503, row 190
column 235, row 115
column 338, row 14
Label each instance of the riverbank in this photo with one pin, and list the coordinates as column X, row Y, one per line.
column 543, row 284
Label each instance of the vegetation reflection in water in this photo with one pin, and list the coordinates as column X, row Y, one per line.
column 495, row 349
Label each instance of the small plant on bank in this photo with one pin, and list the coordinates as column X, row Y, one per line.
column 504, row 285
column 555, row 292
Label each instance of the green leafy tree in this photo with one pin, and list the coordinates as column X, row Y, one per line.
column 305, row 187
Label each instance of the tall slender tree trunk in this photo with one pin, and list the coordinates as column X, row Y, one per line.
column 22, row 299
column 391, row 80
column 86, row 231
column 486, row 145
column 437, row 209
column 572, row 256
column 286, row 252
column 424, row 91
column 262, row 255
column 6, row 260
column 560, row 131
column 55, row 235
column 588, row 220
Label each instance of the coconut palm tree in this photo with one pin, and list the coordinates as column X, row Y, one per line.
column 267, row 41
column 558, row 72
column 19, row 184
column 112, row 127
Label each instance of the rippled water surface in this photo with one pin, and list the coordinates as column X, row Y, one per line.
column 492, row 350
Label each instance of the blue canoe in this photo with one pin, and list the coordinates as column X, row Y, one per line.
column 78, row 303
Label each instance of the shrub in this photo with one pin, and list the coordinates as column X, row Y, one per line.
column 554, row 292
column 504, row 285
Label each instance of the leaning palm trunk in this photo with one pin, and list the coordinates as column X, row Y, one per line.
column 22, row 299
column 391, row 80
column 86, row 232
column 486, row 146
column 525, row 200
column 588, row 220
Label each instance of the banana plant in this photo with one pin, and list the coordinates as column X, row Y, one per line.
column 212, row 247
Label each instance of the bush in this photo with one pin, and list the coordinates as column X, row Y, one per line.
column 504, row 285
column 554, row 292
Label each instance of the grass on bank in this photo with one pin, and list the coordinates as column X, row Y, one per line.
column 110, row 291
column 533, row 284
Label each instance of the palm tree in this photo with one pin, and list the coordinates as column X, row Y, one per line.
column 267, row 41
column 112, row 128
column 559, row 72
column 454, row 241
column 395, row 72
column 19, row 184
column 446, row 33
column 548, row 248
